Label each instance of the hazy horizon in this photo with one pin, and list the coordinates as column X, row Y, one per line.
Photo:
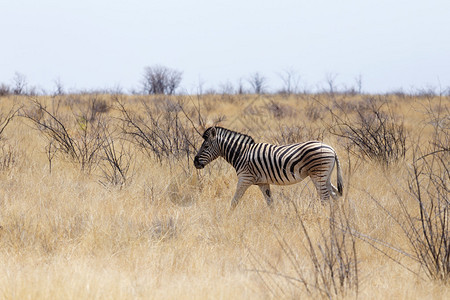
column 103, row 44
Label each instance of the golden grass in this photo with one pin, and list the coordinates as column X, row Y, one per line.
column 167, row 234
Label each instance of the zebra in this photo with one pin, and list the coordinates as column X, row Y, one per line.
column 264, row 164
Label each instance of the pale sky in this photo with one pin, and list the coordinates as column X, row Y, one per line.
column 97, row 44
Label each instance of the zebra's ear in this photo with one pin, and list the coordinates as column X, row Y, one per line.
column 202, row 127
column 212, row 132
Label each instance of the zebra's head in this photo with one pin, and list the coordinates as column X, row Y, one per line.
column 209, row 150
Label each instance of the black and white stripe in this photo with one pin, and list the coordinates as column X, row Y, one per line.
column 263, row 164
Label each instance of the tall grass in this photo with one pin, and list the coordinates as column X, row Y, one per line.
column 164, row 232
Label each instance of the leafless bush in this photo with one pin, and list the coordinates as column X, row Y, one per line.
column 375, row 134
column 7, row 153
column 426, row 227
column 260, row 125
column 291, row 81
column 161, row 134
column 429, row 234
column 97, row 107
column 5, row 119
column 161, row 80
column 5, row 90
column 359, row 84
column 240, row 88
column 439, row 119
column 279, row 110
column 116, row 160
column 426, row 224
column 59, row 87
column 77, row 135
column 429, row 187
column 283, row 134
column 226, row 88
column 19, row 84
column 331, row 82
column 258, row 83
column 330, row 268
column 314, row 112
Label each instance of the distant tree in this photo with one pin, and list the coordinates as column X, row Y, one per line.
column 331, row 79
column 4, row 89
column 359, row 83
column 59, row 87
column 161, row 80
column 291, row 81
column 226, row 88
column 258, row 83
column 240, row 87
column 20, row 84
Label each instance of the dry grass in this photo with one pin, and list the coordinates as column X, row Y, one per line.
column 166, row 234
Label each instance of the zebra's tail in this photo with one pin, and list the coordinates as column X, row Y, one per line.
column 340, row 183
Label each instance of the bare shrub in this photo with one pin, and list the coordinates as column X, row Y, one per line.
column 98, row 106
column 116, row 159
column 161, row 134
column 19, row 84
column 7, row 152
column 426, row 224
column 90, row 106
column 258, row 83
column 314, row 112
column 77, row 135
column 291, row 82
column 226, row 88
column 359, row 84
column 259, row 124
column 5, row 119
column 279, row 110
column 240, row 89
column 161, row 80
column 5, row 90
column 284, row 134
column 330, row 268
column 429, row 234
column 375, row 133
column 330, row 78
column 426, row 227
column 59, row 87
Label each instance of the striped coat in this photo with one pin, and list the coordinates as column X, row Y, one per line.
column 264, row 164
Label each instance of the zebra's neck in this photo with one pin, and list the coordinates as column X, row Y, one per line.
column 232, row 144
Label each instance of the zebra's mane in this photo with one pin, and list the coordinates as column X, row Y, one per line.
column 233, row 133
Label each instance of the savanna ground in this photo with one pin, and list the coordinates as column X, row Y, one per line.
column 99, row 199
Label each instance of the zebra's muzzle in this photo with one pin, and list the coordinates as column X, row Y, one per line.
column 197, row 163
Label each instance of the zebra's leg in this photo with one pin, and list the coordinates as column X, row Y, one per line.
column 333, row 191
column 240, row 190
column 265, row 189
column 321, row 187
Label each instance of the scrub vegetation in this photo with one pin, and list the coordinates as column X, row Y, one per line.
column 99, row 198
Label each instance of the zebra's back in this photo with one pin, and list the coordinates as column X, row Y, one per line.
column 289, row 164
